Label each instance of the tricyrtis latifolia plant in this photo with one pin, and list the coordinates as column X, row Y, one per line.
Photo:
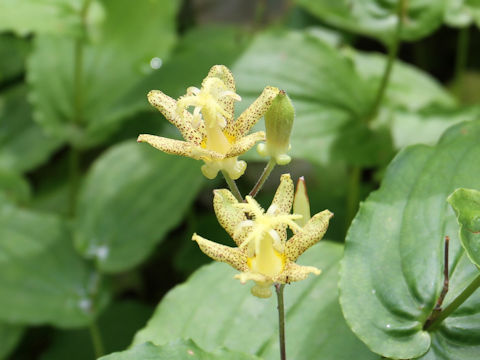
column 263, row 253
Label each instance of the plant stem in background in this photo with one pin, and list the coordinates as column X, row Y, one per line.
column 74, row 178
column 233, row 186
column 96, row 340
column 392, row 55
column 266, row 173
column 461, row 60
column 353, row 194
column 281, row 320
column 459, row 300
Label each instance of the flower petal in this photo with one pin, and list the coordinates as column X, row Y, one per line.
column 253, row 113
column 218, row 252
column 229, row 216
column 177, row 147
column 224, row 74
column 257, row 277
column 312, row 232
column 282, row 202
column 294, row 272
column 245, row 143
column 168, row 107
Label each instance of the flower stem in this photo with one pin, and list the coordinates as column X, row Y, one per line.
column 266, row 173
column 96, row 339
column 233, row 186
column 461, row 60
column 392, row 55
column 74, row 172
column 281, row 320
column 459, row 300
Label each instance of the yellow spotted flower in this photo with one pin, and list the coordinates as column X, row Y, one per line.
column 263, row 253
column 210, row 131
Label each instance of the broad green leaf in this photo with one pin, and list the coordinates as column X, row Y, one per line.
column 409, row 88
column 131, row 315
column 426, row 126
column 215, row 310
column 10, row 335
column 23, row 143
column 42, row 279
column 85, row 110
column 378, row 18
column 132, row 196
column 176, row 350
column 13, row 51
column 466, row 203
column 392, row 268
column 40, row 16
column 208, row 45
column 462, row 13
column 14, row 187
column 331, row 100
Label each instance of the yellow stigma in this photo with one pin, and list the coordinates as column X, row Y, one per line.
column 265, row 247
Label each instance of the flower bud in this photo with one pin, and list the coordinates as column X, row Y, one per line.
column 278, row 125
column 301, row 204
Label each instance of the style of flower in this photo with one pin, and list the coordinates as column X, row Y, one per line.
column 211, row 134
column 263, row 253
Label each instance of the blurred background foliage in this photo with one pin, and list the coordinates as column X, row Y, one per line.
column 95, row 229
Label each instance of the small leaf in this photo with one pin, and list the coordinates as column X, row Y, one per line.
column 462, row 13
column 132, row 196
column 42, row 279
column 176, row 350
column 215, row 310
column 13, row 52
column 466, row 203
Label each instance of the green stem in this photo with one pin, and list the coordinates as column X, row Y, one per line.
column 459, row 300
column 74, row 174
column 233, row 186
column 266, row 173
column 96, row 339
column 281, row 320
column 392, row 55
column 461, row 60
column 353, row 194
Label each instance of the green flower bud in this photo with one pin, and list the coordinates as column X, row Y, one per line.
column 278, row 124
column 301, row 204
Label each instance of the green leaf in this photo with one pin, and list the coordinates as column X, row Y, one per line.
column 10, row 335
column 86, row 109
column 215, row 310
column 176, row 350
column 131, row 315
column 409, row 88
column 132, row 196
column 331, row 100
column 392, row 271
column 14, row 187
column 466, row 203
column 42, row 279
column 462, row 13
column 40, row 16
column 23, row 143
column 378, row 18
column 13, row 52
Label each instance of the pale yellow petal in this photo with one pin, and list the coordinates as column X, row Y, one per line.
column 253, row 113
column 229, row 216
column 227, row 102
column 282, row 202
column 168, row 107
column 257, row 277
column 294, row 272
column 245, row 143
column 312, row 232
column 177, row 147
column 218, row 252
